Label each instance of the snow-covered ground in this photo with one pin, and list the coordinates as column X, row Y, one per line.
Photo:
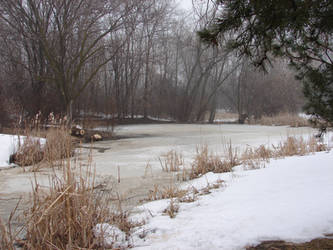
column 291, row 199
column 9, row 145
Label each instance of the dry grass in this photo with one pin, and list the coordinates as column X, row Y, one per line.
column 58, row 145
column 172, row 209
column 31, row 152
column 254, row 158
column 166, row 192
column 171, row 161
column 6, row 237
column 251, row 158
column 284, row 119
column 205, row 162
column 63, row 217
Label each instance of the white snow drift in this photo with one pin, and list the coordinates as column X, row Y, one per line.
column 291, row 199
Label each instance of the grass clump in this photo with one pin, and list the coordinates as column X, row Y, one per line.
column 58, row 145
column 172, row 209
column 205, row 162
column 171, row 161
column 166, row 192
column 31, row 151
column 254, row 158
column 284, row 119
column 64, row 216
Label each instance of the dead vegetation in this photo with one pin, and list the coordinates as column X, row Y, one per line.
column 172, row 209
column 205, row 161
column 58, row 146
column 171, row 161
column 169, row 191
column 7, row 236
column 283, row 119
column 254, row 158
column 32, row 151
column 29, row 151
column 65, row 214
column 251, row 158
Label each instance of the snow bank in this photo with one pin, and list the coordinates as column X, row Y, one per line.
column 291, row 199
column 8, row 146
column 111, row 235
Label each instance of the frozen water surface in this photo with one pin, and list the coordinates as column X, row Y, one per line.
column 145, row 143
column 137, row 155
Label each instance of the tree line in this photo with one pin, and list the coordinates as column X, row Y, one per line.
column 126, row 58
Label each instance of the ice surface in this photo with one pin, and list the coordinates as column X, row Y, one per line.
column 148, row 142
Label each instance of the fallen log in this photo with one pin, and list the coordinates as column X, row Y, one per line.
column 77, row 131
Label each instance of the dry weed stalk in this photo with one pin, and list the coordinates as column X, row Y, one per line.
column 171, row 161
column 58, row 146
column 172, row 191
column 166, row 192
column 172, row 209
column 29, row 152
column 6, row 237
column 64, row 215
column 205, row 162
column 257, row 158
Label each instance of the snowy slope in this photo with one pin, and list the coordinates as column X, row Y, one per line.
column 291, row 199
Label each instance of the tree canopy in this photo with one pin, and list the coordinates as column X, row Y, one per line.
column 300, row 30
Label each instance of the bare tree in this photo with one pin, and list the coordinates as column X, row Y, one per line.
column 71, row 35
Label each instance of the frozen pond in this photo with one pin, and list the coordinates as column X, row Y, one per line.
column 136, row 157
column 145, row 143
